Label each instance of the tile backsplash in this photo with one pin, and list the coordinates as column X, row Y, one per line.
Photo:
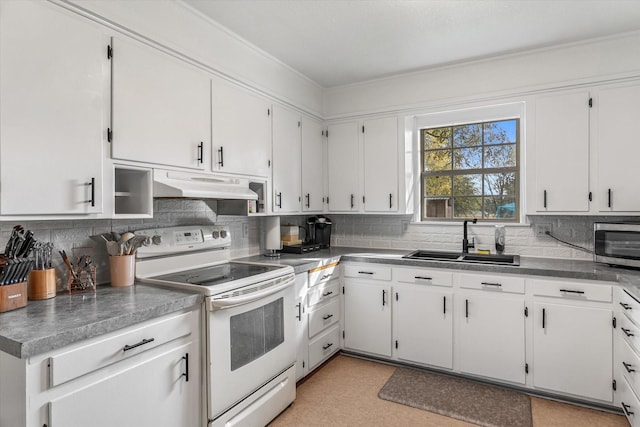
column 397, row 232
column 69, row 234
column 365, row 231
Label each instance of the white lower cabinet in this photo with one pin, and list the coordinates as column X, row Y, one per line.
column 573, row 338
column 490, row 335
column 302, row 344
column 423, row 317
column 367, row 316
column 144, row 375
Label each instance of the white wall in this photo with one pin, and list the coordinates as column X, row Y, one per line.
column 489, row 79
column 180, row 28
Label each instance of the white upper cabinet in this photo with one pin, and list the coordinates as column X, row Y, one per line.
column 380, row 154
column 561, row 153
column 363, row 166
column 286, row 160
column 161, row 108
column 616, row 148
column 342, row 168
column 241, row 130
column 54, row 103
column 313, row 161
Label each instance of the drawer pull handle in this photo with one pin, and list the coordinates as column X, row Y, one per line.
column 186, row 367
column 544, row 318
column 570, row 291
column 299, row 316
column 627, row 332
column 466, row 308
column 327, row 317
column 422, row 278
column 626, row 306
column 143, row 342
column 326, row 294
column 628, row 366
column 627, row 412
column 365, row 272
column 327, row 347
column 491, row 284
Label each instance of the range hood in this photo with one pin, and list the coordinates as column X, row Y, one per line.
column 194, row 185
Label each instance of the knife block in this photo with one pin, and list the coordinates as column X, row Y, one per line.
column 13, row 296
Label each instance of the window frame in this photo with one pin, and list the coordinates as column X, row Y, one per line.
column 463, row 116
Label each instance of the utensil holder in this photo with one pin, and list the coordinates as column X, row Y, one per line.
column 42, row 284
column 13, row 296
column 84, row 279
column 122, row 270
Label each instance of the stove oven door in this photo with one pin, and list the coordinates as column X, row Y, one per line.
column 248, row 344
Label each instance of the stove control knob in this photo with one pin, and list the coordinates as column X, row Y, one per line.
column 147, row 241
column 223, row 234
column 215, row 234
column 157, row 239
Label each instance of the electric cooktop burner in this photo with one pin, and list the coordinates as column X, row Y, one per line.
column 217, row 274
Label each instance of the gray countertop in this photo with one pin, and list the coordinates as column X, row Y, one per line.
column 47, row 325
column 50, row 324
column 563, row 268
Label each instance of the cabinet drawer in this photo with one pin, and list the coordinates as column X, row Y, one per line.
column 324, row 316
column 323, row 274
column 118, row 346
column 324, row 346
column 421, row 276
column 628, row 304
column 368, row 271
column 323, row 292
column 569, row 289
column 628, row 363
column 629, row 402
column 629, row 331
column 492, row 282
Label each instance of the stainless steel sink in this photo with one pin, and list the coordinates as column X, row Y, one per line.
column 513, row 260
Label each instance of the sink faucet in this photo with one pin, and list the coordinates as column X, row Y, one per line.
column 465, row 242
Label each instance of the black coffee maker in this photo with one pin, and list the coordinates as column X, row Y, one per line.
column 319, row 231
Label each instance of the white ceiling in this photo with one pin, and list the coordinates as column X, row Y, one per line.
column 337, row 42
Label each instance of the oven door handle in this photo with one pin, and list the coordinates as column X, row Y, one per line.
column 220, row 302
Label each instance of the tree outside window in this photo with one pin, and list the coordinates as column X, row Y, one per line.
column 471, row 171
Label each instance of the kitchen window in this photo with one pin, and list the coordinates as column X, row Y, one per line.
column 471, row 171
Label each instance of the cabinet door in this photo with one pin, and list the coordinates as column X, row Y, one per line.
column 490, row 336
column 161, row 107
column 312, row 165
column 380, row 165
column 154, row 392
column 572, row 350
column 562, row 133
column 343, row 167
column 367, row 317
column 302, row 341
column 286, row 160
column 424, row 325
column 618, row 112
column 241, row 130
column 54, row 75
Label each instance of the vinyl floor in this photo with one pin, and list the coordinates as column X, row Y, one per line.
column 344, row 392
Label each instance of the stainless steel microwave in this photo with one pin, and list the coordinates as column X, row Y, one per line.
column 617, row 244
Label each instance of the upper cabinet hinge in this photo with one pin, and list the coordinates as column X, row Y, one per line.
column 109, row 135
column 614, row 323
column 109, row 52
column 526, row 368
column 590, row 102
